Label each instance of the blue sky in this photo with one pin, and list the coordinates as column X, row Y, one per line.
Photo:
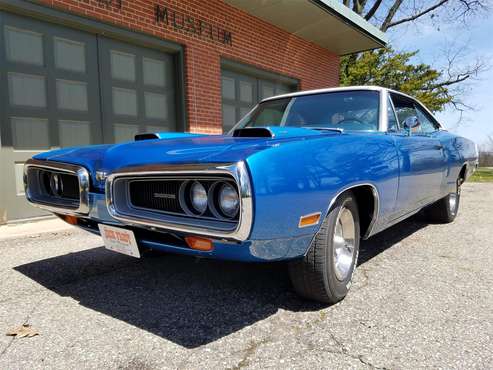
column 475, row 40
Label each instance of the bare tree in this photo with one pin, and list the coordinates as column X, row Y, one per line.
column 387, row 14
column 488, row 144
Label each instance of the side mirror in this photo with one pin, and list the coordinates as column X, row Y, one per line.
column 410, row 123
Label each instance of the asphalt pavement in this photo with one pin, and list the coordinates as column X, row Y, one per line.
column 421, row 298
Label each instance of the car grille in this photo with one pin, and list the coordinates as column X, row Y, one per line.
column 166, row 198
column 158, row 195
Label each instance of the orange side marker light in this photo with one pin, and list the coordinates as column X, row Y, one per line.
column 72, row 220
column 200, row 244
column 309, row 220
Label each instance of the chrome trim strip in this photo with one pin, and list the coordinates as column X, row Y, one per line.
column 237, row 170
column 383, row 123
column 79, row 171
column 376, row 209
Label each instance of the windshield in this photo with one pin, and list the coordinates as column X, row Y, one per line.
column 347, row 110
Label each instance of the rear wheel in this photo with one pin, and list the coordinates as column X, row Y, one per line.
column 325, row 273
column 445, row 210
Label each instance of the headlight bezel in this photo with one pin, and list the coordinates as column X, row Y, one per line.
column 200, row 210
column 214, row 210
column 221, row 190
column 214, row 206
column 79, row 206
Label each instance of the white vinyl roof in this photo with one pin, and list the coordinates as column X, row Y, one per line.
column 325, row 90
column 326, row 23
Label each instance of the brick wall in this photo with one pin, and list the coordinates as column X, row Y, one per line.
column 254, row 42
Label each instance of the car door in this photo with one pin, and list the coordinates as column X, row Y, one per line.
column 421, row 157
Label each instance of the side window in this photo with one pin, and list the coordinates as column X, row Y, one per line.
column 391, row 118
column 427, row 124
column 404, row 107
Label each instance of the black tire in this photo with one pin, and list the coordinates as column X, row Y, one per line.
column 314, row 276
column 445, row 210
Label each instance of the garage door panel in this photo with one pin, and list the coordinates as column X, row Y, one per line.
column 125, row 132
column 156, row 106
column 30, row 133
column 267, row 89
column 138, row 90
column 228, row 87
column 122, row 66
column 241, row 92
column 27, row 90
column 247, row 93
column 72, row 95
column 70, row 55
column 23, row 46
column 74, row 133
column 124, row 102
column 158, row 72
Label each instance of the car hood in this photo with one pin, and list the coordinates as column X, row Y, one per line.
column 176, row 149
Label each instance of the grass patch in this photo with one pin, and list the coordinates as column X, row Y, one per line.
column 482, row 174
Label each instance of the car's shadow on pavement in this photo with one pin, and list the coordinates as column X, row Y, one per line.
column 187, row 301
column 388, row 238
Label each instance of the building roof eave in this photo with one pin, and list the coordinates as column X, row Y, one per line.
column 347, row 32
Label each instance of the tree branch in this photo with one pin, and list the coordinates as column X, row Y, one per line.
column 456, row 80
column 373, row 9
column 455, row 77
column 417, row 15
column 390, row 15
column 358, row 6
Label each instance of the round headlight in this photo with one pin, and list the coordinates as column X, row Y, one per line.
column 198, row 197
column 56, row 184
column 228, row 200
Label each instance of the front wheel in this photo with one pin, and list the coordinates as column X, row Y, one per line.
column 325, row 273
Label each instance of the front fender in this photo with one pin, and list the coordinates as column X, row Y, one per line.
column 304, row 177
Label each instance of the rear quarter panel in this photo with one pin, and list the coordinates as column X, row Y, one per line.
column 298, row 178
column 459, row 151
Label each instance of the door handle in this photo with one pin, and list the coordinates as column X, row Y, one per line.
column 438, row 147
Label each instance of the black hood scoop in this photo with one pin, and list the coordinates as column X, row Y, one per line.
column 253, row 132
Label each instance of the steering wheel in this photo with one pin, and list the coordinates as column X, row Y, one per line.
column 359, row 122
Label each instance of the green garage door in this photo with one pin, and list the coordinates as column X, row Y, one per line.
column 138, row 89
column 61, row 87
column 242, row 91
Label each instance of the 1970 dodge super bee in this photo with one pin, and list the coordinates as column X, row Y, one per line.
column 302, row 178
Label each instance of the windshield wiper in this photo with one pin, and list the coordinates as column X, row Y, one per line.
column 337, row 129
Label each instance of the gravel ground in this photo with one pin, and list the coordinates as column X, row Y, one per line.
column 422, row 298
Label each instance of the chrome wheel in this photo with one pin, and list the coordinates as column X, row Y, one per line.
column 452, row 202
column 344, row 242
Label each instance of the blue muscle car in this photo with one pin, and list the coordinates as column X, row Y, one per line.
column 302, row 178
